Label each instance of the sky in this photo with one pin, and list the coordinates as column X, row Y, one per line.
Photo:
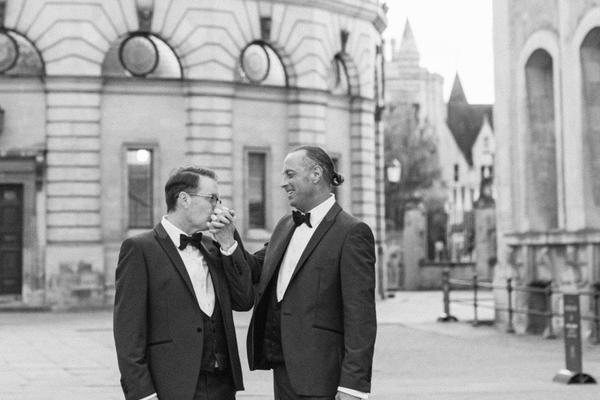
column 451, row 35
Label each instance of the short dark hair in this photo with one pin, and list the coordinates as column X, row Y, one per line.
column 182, row 180
column 322, row 159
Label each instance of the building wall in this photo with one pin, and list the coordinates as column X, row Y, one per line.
column 567, row 253
column 22, row 96
column 83, row 121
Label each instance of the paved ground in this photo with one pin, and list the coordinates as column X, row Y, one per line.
column 70, row 356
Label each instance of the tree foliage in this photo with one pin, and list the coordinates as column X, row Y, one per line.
column 412, row 142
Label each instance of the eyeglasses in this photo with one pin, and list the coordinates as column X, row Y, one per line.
column 213, row 198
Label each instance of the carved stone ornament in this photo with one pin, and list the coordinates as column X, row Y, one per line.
column 255, row 62
column 139, row 55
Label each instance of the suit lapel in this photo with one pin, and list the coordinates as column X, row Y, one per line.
column 321, row 230
column 211, row 256
column 167, row 244
column 277, row 247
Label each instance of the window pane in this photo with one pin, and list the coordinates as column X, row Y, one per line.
column 139, row 176
column 256, row 190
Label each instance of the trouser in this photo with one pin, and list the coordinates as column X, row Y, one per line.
column 283, row 389
column 215, row 386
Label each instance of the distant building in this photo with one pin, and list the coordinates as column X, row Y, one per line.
column 464, row 173
column 547, row 130
column 463, row 134
column 102, row 99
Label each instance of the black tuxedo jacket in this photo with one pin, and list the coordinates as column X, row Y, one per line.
column 328, row 322
column 157, row 320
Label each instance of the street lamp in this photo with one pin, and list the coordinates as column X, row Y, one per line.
column 394, row 171
column 392, row 203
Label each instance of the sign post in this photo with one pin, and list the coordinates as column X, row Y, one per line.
column 572, row 334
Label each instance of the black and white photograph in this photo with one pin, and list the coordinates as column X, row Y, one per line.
column 299, row 199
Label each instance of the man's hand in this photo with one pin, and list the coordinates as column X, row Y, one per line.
column 345, row 396
column 222, row 227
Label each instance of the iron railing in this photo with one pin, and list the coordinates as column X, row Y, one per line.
column 476, row 285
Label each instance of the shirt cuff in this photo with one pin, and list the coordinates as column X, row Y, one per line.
column 152, row 396
column 353, row 392
column 228, row 252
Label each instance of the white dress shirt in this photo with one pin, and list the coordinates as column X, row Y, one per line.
column 298, row 243
column 196, row 268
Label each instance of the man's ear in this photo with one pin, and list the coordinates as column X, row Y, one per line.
column 317, row 174
column 183, row 199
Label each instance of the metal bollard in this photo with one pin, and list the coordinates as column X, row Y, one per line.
column 509, row 290
column 475, row 320
column 597, row 313
column 550, row 334
column 446, row 317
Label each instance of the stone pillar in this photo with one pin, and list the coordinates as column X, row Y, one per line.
column 210, row 132
column 363, row 177
column 414, row 244
column 362, row 156
column 382, row 253
column 75, row 272
column 485, row 241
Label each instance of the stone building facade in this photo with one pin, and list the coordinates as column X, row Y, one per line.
column 103, row 99
column 466, row 172
column 546, row 122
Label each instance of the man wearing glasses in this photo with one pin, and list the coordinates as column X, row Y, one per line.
column 175, row 290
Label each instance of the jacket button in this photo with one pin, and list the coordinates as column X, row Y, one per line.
column 198, row 329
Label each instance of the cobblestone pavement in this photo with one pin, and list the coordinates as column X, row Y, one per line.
column 65, row 356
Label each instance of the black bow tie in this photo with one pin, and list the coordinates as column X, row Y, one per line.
column 195, row 240
column 300, row 218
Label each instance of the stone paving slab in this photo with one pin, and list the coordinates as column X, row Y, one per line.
column 70, row 356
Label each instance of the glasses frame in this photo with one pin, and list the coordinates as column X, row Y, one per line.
column 212, row 198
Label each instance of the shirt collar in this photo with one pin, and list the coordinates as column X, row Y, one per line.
column 173, row 231
column 318, row 213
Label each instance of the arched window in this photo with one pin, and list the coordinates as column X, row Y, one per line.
column 541, row 143
column 260, row 64
column 590, row 80
column 18, row 56
column 141, row 54
column 338, row 76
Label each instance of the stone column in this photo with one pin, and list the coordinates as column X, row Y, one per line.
column 74, row 262
column 485, row 240
column 380, row 239
column 363, row 178
column 363, row 158
column 414, row 244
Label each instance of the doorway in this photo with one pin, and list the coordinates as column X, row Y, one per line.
column 11, row 239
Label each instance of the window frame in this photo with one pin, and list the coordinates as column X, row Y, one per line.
column 154, row 179
column 257, row 231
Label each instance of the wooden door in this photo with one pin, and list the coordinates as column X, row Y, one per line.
column 11, row 239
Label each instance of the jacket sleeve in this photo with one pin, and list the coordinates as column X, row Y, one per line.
column 237, row 269
column 357, row 277
column 130, row 321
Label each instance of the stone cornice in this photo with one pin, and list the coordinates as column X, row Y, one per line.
column 371, row 11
